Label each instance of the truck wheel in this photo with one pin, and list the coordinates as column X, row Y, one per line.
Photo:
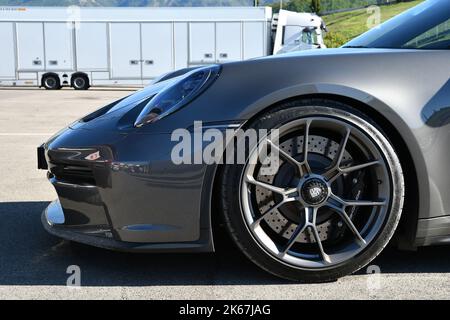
column 80, row 82
column 51, row 82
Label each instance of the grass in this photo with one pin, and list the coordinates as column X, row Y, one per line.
column 345, row 26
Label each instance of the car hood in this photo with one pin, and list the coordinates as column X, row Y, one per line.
column 330, row 66
column 121, row 115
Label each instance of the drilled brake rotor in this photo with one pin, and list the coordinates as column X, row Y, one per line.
column 285, row 221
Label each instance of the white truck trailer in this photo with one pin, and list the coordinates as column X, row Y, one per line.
column 83, row 47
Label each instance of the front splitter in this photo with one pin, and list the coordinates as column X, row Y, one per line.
column 53, row 221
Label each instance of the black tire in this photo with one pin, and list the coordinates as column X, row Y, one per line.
column 80, row 82
column 51, row 82
column 230, row 200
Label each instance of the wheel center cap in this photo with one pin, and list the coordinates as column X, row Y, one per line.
column 314, row 191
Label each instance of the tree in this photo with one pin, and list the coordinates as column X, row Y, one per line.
column 315, row 6
column 298, row 5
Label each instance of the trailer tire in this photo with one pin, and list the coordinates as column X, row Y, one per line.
column 80, row 82
column 51, row 82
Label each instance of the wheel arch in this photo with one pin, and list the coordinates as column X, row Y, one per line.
column 400, row 136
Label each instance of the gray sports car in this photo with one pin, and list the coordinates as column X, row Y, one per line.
column 362, row 145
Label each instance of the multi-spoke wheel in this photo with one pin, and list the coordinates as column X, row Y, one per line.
column 331, row 205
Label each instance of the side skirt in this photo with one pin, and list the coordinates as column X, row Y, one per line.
column 433, row 231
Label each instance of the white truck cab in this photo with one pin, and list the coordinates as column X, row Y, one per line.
column 297, row 31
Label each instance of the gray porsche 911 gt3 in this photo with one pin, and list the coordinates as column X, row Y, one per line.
column 362, row 138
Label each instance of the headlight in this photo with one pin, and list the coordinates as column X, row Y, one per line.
column 177, row 95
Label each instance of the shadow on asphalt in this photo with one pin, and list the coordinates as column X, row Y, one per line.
column 29, row 256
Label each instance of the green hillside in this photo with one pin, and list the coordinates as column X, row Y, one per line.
column 348, row 25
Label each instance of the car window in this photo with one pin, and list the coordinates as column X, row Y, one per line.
column 425, row 26
column 438, row 36
column 309, row 36
column 297, row 33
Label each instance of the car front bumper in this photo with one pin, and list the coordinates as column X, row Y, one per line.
column 109, row 199
column 53, row 220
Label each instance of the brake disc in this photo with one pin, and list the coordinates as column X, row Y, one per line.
column 329, row 226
